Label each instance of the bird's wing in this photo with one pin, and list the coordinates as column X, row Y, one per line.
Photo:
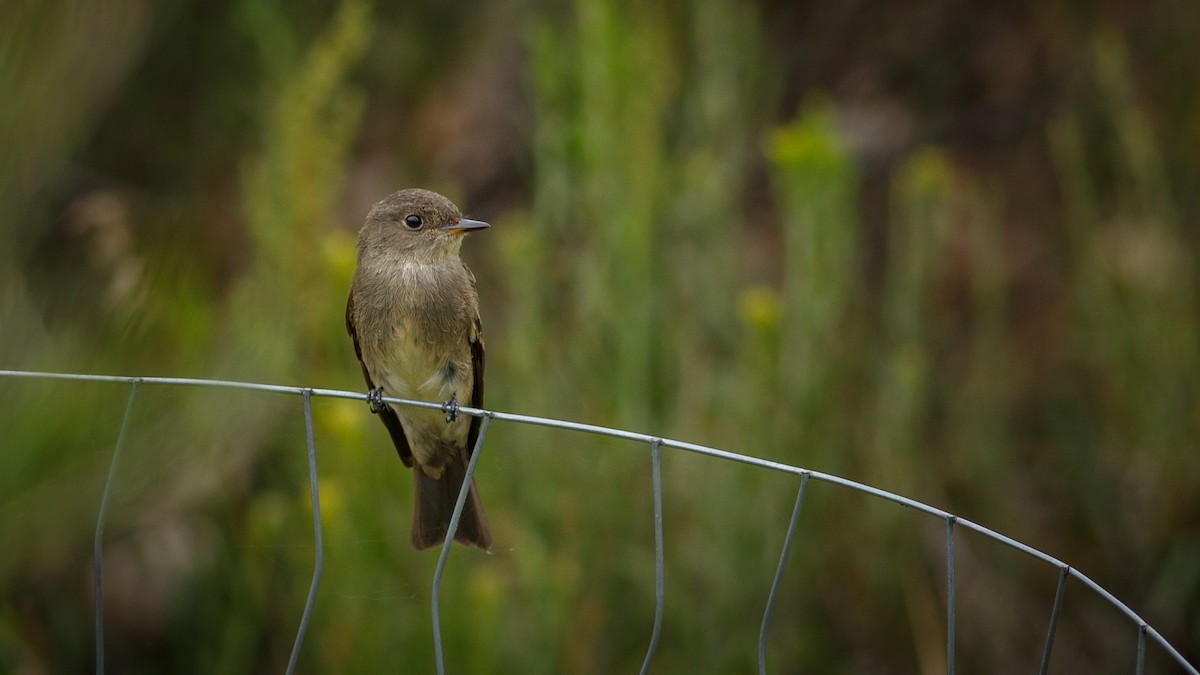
column 390, row 420
column 477, row 385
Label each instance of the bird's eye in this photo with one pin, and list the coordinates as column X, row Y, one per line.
column 413, row 222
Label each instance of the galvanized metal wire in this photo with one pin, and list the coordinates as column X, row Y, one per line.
column 783, row 558
column 319, row 557
column 950, row 595
column 659, row 574
column 450, row 530
column 1145, row 632
column 98, row 540
column 1058, row 601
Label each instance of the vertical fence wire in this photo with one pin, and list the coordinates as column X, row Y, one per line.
column 783, row 557
column 1141, row 650
column 656, row 475
column 1058, row 600
column 451, row 529
column 98, row 543
column 319, row 557
column 1146, row 629
column 950, row 595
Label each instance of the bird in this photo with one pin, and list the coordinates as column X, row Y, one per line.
column 413, row 316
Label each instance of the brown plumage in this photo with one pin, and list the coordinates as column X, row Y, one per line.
column 413, row 314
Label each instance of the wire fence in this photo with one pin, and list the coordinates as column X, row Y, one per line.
column 1145, row 632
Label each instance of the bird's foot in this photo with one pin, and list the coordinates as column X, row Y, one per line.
column 375, row 400
column 451, row 408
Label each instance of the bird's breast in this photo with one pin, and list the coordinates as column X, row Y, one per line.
column 418, row 330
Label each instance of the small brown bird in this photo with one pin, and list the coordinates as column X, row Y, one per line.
column 413, row 314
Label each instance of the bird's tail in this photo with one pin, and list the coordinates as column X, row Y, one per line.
column 433, row 504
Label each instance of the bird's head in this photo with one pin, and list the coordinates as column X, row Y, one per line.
column 421, row 225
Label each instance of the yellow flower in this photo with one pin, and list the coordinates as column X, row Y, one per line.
column 758, row 308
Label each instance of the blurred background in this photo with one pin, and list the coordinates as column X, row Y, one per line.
column 944, row 247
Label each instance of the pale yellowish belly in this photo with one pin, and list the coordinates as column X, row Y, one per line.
column 415, row 369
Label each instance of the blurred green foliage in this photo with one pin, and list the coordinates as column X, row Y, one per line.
column 688, row 243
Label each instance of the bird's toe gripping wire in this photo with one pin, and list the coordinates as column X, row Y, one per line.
column 375, row 400
column 451, row 408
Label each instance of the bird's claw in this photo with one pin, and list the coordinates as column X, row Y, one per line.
column 375, row 400
column 451, row 408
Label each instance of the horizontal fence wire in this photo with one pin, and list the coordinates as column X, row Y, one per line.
column 1145, row 632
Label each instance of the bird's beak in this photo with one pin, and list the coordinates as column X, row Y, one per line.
column 465, row 225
